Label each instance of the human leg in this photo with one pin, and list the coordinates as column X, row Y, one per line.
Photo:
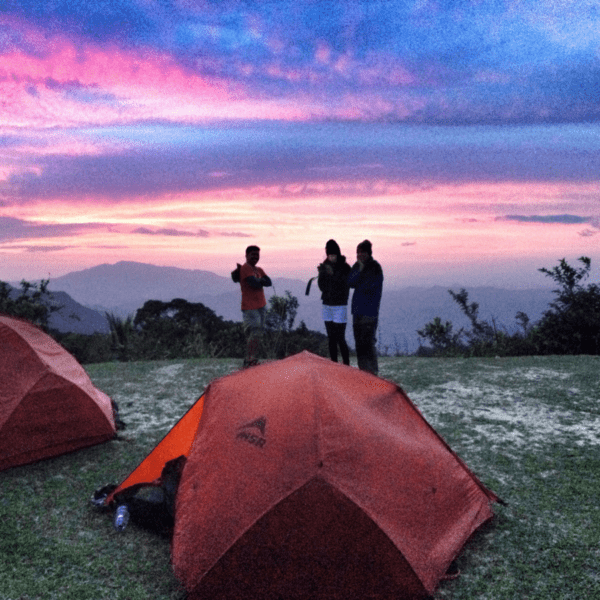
column 253, row 323
column 340, row 339
column 331, row 340
column 364, row 337
column 335, row 318
column 252, row 343
column 359, row 342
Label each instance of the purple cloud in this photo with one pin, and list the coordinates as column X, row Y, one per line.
column 47, row 248
column 179, row 233
column 236, row 234
column 171, row 232
column 15, row 229
column 251, row 155
column 560, row 219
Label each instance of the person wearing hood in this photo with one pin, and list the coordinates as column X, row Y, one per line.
column 333, row 283
column 366, row 278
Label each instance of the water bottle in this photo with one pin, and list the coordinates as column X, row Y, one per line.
column 121, row 517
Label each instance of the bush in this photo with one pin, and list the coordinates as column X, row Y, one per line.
column 87, row 349
column 571, row 325
column 286, row 343
column 179, row 329
column 182, row 329
column 32, row 303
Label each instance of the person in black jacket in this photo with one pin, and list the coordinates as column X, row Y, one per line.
column 333, row 283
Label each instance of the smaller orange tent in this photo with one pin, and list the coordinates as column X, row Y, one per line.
column 48, row 404
column 309, row 479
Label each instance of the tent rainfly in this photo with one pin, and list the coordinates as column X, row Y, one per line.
column 48, row 404
column 304, row 478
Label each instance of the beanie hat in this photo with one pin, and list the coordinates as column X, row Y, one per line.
column 332, row 248
column 366, row 246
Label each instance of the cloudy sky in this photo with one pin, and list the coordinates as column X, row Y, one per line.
column 462, row 137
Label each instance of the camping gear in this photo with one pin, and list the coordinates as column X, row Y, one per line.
column 48, row 404
column 149, row 505
column 305, row 478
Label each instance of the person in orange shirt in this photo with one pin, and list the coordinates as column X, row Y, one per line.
column 252, row 280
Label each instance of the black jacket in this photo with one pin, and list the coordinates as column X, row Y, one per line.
column 334, row 287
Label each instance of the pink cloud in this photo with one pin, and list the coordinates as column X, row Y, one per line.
column 277, row 71
column 73, row 84
column 381, row 68
column 445, row 225
column 107, row 67
column 343, row 65
column 127, row 74
column 322, row 53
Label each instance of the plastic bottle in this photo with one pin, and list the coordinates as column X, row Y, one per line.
column 121, row 517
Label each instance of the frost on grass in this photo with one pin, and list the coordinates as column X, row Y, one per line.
column 512, row 416
column 161, row 394
column 536, row 374
column 168, row 373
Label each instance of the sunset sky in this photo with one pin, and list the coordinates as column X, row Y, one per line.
column 461, row 137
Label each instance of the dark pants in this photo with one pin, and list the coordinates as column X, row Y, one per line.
column 364, row 338
column 336, row 335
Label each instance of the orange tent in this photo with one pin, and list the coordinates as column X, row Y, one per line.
column 48, row 404
column 309, row 479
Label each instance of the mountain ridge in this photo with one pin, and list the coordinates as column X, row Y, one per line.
column 122, row 288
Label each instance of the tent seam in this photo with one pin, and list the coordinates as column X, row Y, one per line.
column 26, row 393
column 245, row 530
column 461, row 462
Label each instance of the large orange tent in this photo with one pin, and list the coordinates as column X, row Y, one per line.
column 48, row 404
column 309, row 479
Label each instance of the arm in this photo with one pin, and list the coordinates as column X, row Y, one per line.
column 354, row 276
column 256, row 283
column 235, row 274
column 324, row 277
column 369, row 276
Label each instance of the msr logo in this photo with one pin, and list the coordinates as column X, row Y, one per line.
column 246, row 433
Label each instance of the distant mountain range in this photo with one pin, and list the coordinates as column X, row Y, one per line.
column 123, row 287
column 70, row 316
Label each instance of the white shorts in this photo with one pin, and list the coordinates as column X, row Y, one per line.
column 337, row 314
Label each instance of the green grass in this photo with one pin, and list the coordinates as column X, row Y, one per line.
column 528, row 427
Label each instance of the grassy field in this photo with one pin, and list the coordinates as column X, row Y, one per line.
column 528, row 427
